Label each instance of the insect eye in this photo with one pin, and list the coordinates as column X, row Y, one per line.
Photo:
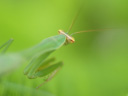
column 72, row 40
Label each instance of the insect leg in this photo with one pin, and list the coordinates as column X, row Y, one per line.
column 46, row 64
column 52, row 70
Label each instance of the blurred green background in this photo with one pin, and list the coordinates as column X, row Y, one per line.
column 95, row 65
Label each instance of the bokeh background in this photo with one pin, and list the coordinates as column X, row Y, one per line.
column 95, row 65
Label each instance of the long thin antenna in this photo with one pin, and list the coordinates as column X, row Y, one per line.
column 90, row 31
column 73, row 21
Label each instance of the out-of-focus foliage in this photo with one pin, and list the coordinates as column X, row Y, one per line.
column 95, row 65
column 9, row 62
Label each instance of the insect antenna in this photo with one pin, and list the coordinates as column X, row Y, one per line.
column 89, row 31
column 73, row 21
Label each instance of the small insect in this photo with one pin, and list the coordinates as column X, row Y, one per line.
column 40, row 66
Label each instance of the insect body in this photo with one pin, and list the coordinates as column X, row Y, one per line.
column 39, row 65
